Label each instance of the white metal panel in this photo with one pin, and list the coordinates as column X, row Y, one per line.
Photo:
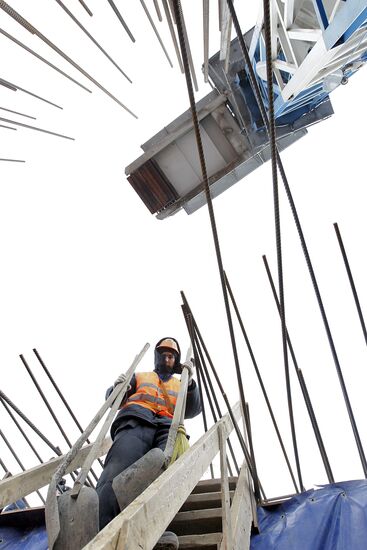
column 177, row 169
column 213, row 158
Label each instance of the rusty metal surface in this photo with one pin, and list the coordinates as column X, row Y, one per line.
column 152, row 186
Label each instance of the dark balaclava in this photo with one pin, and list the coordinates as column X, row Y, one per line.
column 159, row 365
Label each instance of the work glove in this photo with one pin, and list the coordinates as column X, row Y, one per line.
column 189, row 365
column 120, row 380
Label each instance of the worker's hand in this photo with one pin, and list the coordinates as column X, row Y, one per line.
column 120, row 380
column 189, row 365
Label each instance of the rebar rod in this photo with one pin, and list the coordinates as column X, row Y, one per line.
column 12, row 160
column 303, row 385
column 87, row 33
column 44, row 399
column 37, row 129
column 173, row 34
column 15, row 87
column 181, row 34
column 351, row 281
column 256, row 90
column 22, row 21
column 198, row 365
column 60, row 394
column 21, row 430
column 16, row 41
column 121, row 19
column 86, row 8
column 8, row 474
column 198, row 343
column 242, row 442
column 208, row 396
column 7, row 127
column 206, row 38
column 156, row 32
column 220, row 14
column 157, row 10
column 208, row 385
column 274, row 170
column 56, row 450
column 8, row 85
column 17, row 113
column 196, row 359
column 262, row 385
column 198, row 375
column 28, row 92
column 225, row 39
column 18, row 460
column 172, row 10
column 190, row 330
column 189, row 54
column 315, row 426
column 3, row 466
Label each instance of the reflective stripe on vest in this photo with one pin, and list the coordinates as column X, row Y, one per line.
column 149, row 393
column 170, row 392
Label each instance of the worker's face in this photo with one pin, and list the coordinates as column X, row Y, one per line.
column 168, row 359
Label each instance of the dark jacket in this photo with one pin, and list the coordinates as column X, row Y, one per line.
column 193, row 407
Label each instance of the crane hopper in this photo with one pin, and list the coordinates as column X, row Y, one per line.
column 167, row 176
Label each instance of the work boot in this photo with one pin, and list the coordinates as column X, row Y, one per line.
column 168, row 541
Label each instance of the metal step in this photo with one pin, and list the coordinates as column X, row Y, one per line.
column 197, row 522
column 201, row 501
column 210, row 541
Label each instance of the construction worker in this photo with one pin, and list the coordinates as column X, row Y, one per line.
column 143, row 423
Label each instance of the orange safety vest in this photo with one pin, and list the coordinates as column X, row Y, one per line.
column 149, row 394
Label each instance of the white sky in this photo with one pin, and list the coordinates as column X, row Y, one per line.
column 88, row 275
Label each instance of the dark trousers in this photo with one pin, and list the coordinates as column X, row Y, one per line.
column 132, row 441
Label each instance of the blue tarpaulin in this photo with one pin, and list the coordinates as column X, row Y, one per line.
column 23, row 529
column 333, row 517
column 16, row 538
